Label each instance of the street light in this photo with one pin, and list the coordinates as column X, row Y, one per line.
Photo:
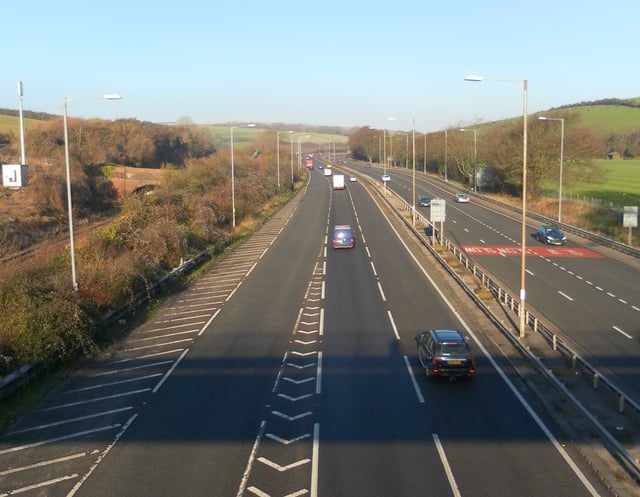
column 384, row 141
column 523, row 266
column 445, row 156
column 413, row 209
column 233, row 176
column 65, row 101
column 543, row 118
column 475, row 157
column 278, row 151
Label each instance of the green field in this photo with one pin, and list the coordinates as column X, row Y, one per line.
column 222, row 136
column 621, row 183
column 12, row 123
column 609, row 119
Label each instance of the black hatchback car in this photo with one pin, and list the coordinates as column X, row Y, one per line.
column 445, row 353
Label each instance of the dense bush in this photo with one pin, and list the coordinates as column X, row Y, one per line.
column 45, row 320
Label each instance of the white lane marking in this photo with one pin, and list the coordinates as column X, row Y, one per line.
column 314, row 460
column 58, row 439
column 280, row 468
column 319, row 374
column 622, row 332
column 413, row 380
column 112, row 383
column 393, row 325
column 291, row 418
column 70, row 420
column 635, row 308
column 495, row 366
column 208, row 322
column 528, row 271
column 384, row 299
column 39, row 485
column 611, row 295
column 252, row 457
column 447, row 467
column 144, row 366
column 565, row 296
column 97, row 399
column 156, row 345
column 171, row 369
column 287, row 441
column 101, row 457
column 168, row 335
column 47, row 463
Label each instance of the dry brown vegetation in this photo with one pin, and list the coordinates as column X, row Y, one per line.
column 140, row 238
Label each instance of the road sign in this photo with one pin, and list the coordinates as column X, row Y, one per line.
column 438, row 210
column 630, row 217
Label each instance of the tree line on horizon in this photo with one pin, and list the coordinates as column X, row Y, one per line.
column 498, row 147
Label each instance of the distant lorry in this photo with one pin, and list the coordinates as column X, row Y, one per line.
column 338, row 181
column 308, row 163
column 327, row 171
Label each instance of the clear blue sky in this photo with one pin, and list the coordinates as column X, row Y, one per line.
column 332, row 62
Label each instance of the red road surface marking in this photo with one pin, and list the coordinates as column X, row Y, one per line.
column 542, row 251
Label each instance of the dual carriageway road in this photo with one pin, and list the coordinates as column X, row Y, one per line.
column 289, row 369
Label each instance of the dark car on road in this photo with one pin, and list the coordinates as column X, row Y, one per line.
column 445, row 353
column 551, row 235
column 424, row 201
column 343, row 237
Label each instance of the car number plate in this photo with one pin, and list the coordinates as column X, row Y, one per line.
column 454, row 363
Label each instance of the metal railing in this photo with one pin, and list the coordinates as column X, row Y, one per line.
column 555, row 341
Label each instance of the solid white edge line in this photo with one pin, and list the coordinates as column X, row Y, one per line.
column 447, row 468
column 201, row 332
column 171, row 369
column 319, row 375
column 314, row 460
column 101, row 457
column 416, row 387
column 252, row 457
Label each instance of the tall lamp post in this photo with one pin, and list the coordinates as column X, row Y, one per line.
column 384, row 142
column 544, row 118
column 278, row 151
column 72, row 249
column 445, row 156
column 523, row 262
column 233, row 176
column 413, row 208
column 475, row 157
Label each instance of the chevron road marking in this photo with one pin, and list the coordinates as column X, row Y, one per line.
column 260, row 493
column 274, row 465
column 292, row 418
column 287, row 442
column 294, row 399
column 297, row 382
column 301, row 366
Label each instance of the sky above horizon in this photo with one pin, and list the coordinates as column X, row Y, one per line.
column 335, row 63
